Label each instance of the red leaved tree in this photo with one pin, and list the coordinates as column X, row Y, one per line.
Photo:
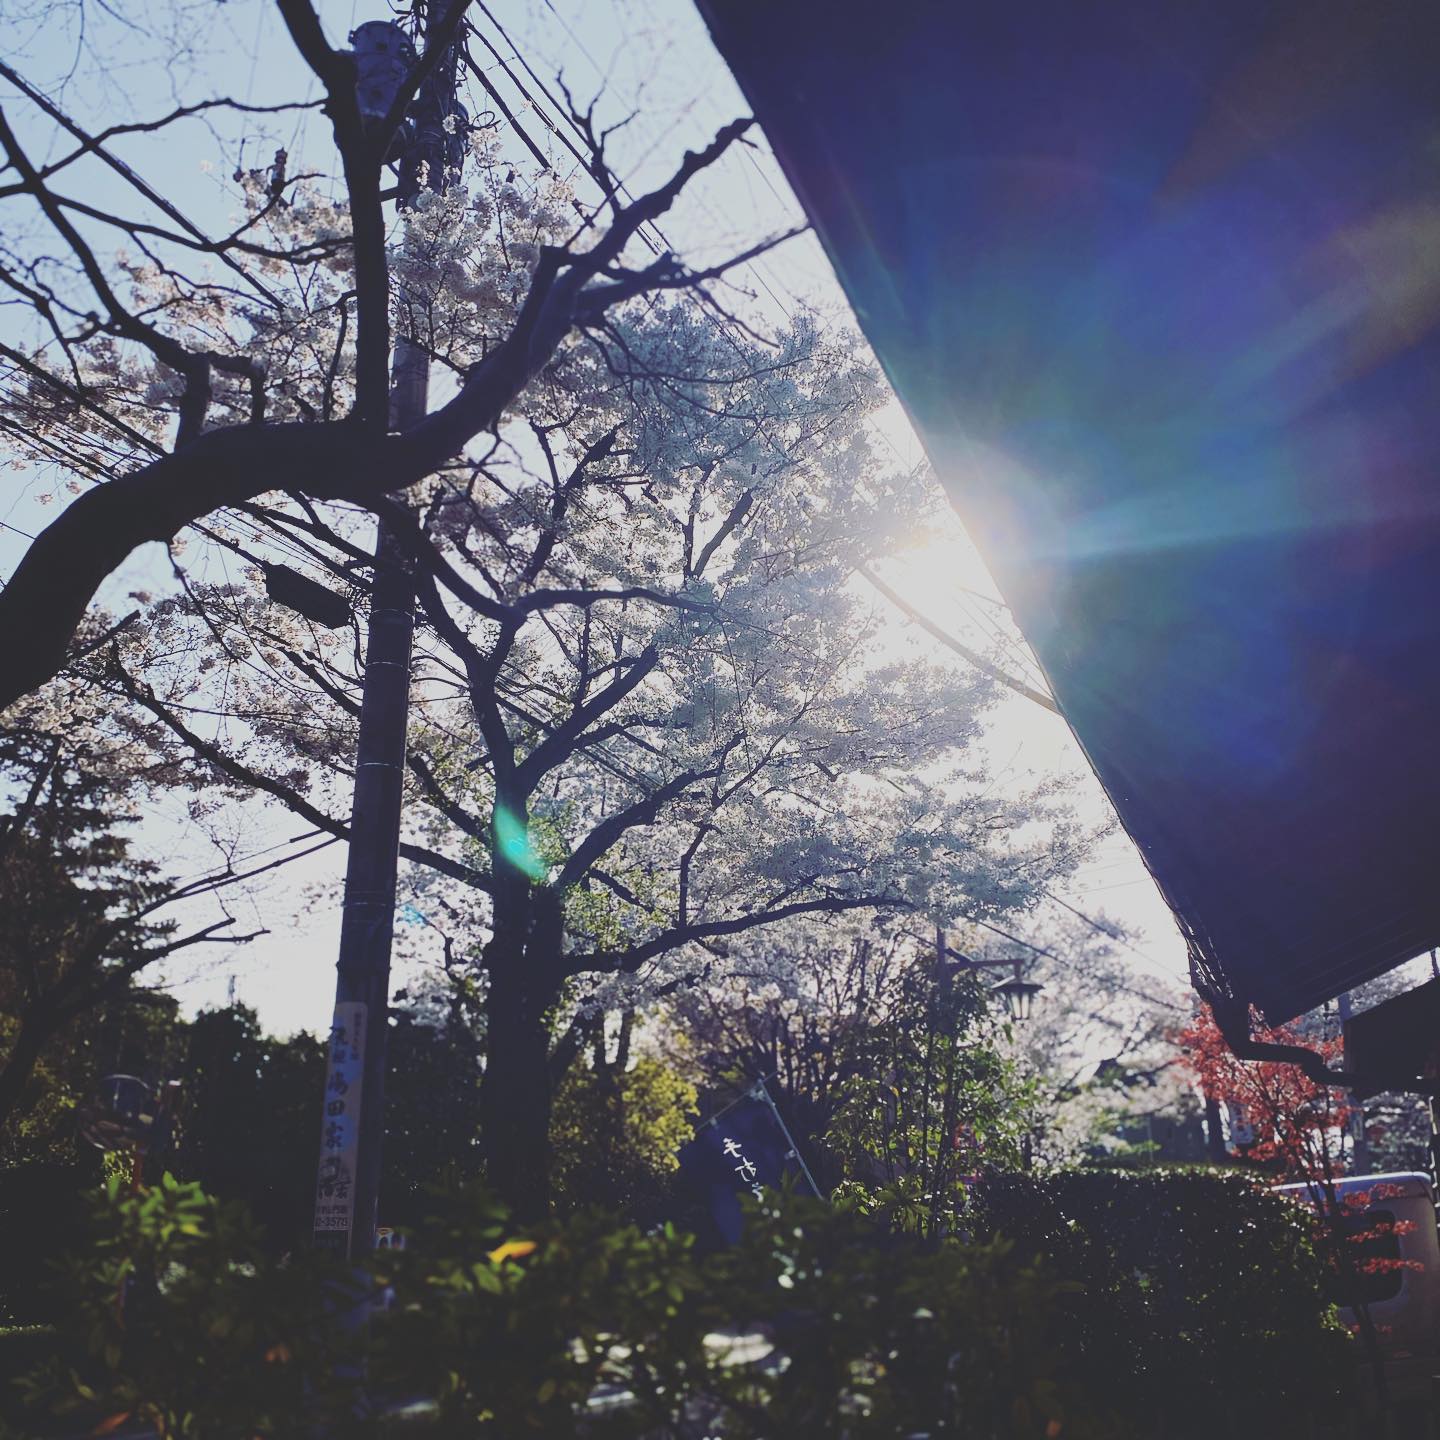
column 1299, row 1127
column 1298, row 1123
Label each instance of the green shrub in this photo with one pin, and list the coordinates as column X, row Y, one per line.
column 176, row 1318
column 510, row 1336
column 892, row 1335
column 1163, row 1305
column 43, row 1207
column 878, row 1339
column 1197, row 1295
column 23, row 1349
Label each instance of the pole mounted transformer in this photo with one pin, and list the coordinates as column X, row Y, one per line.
column 307, row 597
column 430, row 143
column 429, row 146
column 384, row 57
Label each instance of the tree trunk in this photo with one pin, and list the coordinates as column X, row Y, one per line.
column 526, row 976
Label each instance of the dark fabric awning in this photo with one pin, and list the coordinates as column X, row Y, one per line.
column 1158, row 282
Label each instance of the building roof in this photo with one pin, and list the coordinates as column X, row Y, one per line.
column 1158, row 284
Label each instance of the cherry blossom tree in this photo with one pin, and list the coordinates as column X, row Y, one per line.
column 170, row 391
column 653, row 711
column 789, row 1008
column 1100, row 1038
column 652, row 708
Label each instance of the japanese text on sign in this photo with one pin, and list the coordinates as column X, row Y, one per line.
column 340, row 1123
column 745, row 1169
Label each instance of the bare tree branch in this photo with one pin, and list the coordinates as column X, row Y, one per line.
column 94, row 144
column 610, row 830
column 253, row 779
column 194, row 368
column 628, row 961
column 558, row 745
column 54, row 583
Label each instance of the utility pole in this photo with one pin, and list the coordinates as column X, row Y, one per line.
column 352, row 1125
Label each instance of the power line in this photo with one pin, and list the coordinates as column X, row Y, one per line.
column 1060, row 960
column 717, row 316
column 1109, row 933
column 180, row 882
column 544, row 118
column 541, row 158
column 1012, row 682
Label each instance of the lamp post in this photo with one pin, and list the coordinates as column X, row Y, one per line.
column 132, row 1118
column 1017, row 992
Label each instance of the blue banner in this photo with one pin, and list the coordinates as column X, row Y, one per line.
column 742, row 1151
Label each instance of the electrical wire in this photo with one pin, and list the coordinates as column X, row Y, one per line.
column 1108, row 932
column 1060, row 960
column 560, row 109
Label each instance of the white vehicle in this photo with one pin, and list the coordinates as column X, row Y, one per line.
column 1392, row 1218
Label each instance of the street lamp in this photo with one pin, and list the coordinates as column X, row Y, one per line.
column 132, row 1117
column 1018, row 994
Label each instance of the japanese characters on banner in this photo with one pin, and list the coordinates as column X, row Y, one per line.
column 340, row 1127
column 743, row 1150
column 746, row 1168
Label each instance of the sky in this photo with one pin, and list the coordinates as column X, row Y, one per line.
column 650, row 61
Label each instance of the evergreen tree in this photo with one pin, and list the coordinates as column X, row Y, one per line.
column 76, row 916
column 432, row 1096
column 247, row 1125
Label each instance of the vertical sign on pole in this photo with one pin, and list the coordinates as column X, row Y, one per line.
column 340, row 1127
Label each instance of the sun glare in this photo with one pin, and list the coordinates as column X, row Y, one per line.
column 937, row 576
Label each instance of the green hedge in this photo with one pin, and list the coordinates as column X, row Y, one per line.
column 1198, row 1295
column 1159, row 1305
column 508, row 1336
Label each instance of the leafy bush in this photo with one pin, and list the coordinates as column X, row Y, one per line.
column 890, row 1335
column 1165, row 1305
column 177, row 1318
column 1198, row 1295
column 42, row 1209
column 511, row 1336
column 866, row 1338
column 23, row 1348
column 248, row 1117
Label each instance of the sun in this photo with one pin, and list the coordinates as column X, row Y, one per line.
column 937, row 573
